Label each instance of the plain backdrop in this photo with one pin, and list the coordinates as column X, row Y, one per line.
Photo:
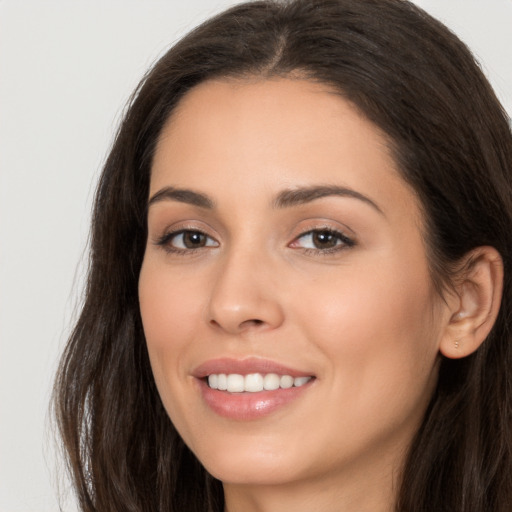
column 66, row 71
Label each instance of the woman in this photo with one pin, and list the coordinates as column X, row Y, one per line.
column 299, row 286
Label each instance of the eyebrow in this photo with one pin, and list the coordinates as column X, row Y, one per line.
column 285, row 199
column 304, row 195
column 182, row 196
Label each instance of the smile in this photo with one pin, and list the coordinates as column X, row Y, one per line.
column 254, row 382
column 251, row 388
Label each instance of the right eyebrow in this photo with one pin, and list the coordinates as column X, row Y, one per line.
column 182, row 195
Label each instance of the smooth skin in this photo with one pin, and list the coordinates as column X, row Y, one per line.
column 335, row 284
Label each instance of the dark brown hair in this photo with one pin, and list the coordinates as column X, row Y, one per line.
column 452, row 143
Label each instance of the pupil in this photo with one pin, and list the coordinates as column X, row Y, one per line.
column 324, row 239
column 193, row 239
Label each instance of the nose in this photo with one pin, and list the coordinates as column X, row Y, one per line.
column 244, row 295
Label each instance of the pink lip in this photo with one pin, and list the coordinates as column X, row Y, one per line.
column 247, row 406
column 244, row 367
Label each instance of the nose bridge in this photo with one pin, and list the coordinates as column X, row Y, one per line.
column 242, row 296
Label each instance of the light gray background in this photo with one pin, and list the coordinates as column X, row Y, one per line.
column 66, row 70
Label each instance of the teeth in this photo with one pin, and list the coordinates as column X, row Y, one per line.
column 271, row 382
column 235, row 383
column 222, row 382
column 254, row 382
column 213, row 381
column 287, row 382
column 300, row 381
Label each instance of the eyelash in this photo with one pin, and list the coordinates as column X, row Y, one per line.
column 342, row 241
column 165, row 242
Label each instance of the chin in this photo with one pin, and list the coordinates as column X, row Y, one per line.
column 251, row 474
column 250, row 465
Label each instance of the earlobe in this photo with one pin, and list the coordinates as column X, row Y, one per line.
column 476, row 303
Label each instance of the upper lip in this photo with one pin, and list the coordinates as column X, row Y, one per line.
column 245, row 366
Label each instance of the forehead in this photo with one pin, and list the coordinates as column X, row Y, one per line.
column 264, row 135
column 268, row 115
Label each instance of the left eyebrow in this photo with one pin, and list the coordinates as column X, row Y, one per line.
column 298, row 196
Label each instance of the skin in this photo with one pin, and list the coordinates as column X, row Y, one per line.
column 363, row 318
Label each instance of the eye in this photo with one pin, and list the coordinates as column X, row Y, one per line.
column 186, row 240
column 326, row 240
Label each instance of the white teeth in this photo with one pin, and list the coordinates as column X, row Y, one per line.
column 222, row 382
column 286, row 381
column 213, row 381
column 235, row 383
column 300, row 381
column 271, row 382
column 254, row 382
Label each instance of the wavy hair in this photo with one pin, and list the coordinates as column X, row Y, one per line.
column 451, row 141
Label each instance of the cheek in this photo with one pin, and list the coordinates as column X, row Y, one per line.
column 377, row 327
column 169, row 310
column 379, row 338
column 381, row 300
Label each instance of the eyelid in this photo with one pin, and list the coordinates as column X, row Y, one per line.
column 159, row 229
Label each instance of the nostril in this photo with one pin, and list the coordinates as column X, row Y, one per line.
column 253, row 322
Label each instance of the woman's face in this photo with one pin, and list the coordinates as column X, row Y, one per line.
column 283, row 242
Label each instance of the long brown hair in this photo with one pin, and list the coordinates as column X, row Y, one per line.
column 452, row 143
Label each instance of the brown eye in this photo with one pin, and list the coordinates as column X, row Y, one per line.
column 322, row 240
column 187, row 239
column 193, row 239
column 325, row 239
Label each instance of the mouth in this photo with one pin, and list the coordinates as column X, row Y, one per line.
column 250, row 389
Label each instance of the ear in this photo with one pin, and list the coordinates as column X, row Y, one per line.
column 475, row 303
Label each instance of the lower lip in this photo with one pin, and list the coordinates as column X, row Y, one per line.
column 249, row 406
